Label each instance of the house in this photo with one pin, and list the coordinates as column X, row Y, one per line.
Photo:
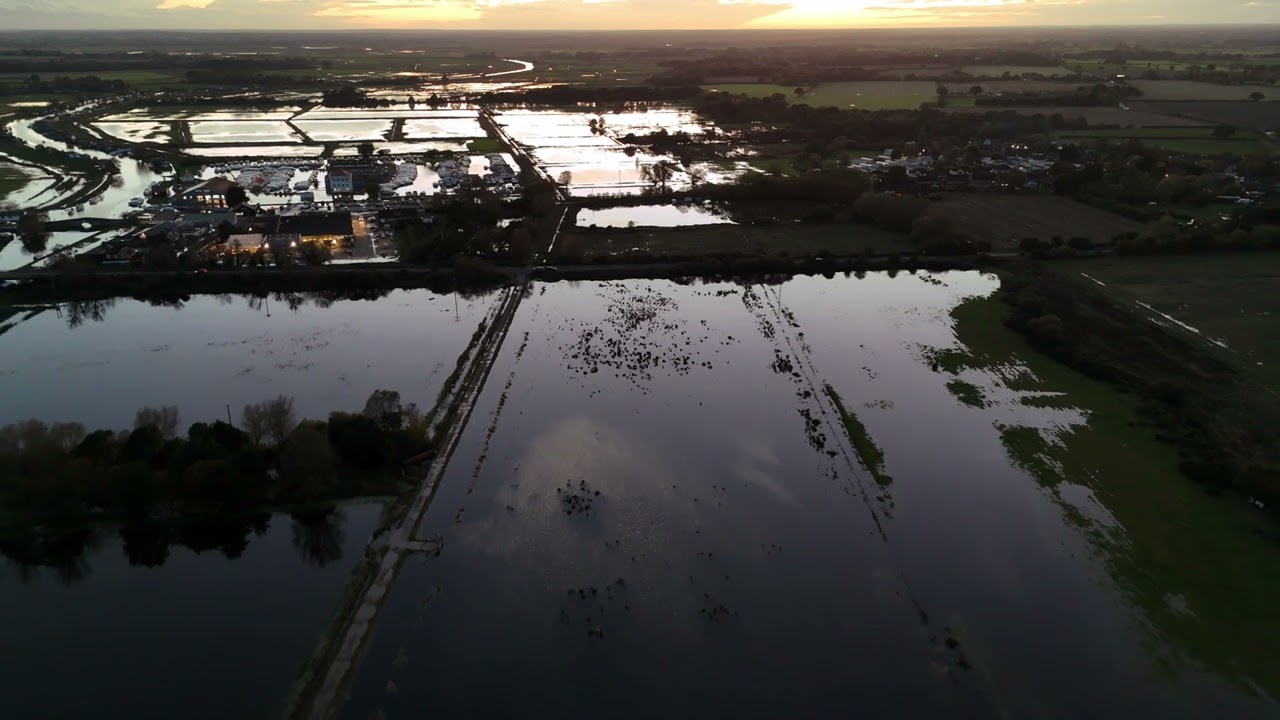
column 357, row 175
column 209, row 194
column 340, row 182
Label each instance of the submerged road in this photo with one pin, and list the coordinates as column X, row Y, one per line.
column 354, row 630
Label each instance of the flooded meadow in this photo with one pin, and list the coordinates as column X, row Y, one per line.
column 765, row 500
column 666, row 486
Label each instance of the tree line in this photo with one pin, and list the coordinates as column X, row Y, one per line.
column 61, row 475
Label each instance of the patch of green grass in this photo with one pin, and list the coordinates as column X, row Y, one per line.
column 967, row 393
column 868, row 95
column 484, row 146
column 1231, row 298
column 1201, row 570
column 869, row 453
column 11, row 180
column 782, row 238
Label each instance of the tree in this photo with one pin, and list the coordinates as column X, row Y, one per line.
column 943, row 93
column 976, row 90
column 224, row 231
column 236, row 196
column 800, row 92
column 697, row 176
column 383, row 406
column 658, row 174
column 1256, row 96
column 316, row 253
column 1223, row 131
column 164, row 419
column 565, row 178
column 271, row 420
column 308, row 461
column 31, row 228
column 365, row 149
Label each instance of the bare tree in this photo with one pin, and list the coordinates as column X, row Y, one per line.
column 270, row 420
column 697, row 176
column 163, row 419
column 565, row 178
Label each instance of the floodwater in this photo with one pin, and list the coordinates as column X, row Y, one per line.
column 650, row 216
column 257, row 151
column 97, row 363
column 352, row 130
column 241, row 131
column 565, row 141
column 214, row 624
column 14, row 256
column 655, row 510
column 136, row 131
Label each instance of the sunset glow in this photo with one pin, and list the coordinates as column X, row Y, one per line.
column 620, row 14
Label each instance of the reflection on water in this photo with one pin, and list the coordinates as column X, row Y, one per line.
column 96, row 362
column 136, row 622
column 651, row 216
column 655, row 510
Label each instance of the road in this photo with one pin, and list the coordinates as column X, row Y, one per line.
column 340, row 668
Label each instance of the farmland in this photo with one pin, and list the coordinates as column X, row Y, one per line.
column 1255, row 115
column 1233, row 299
column 1185, row 140
column 1142, row 115
column 11, row 180
column 1192, row 90
column 871, row 95
column 692, row 242
column 1003, row 220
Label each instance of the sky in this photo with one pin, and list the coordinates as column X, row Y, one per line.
column 619, row 14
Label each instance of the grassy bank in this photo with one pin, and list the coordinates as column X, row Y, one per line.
column 1200, row 569
column 869, row 453
column 1232, row 300
column 1220, row 419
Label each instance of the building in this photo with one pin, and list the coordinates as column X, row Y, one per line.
column 357, row 175
column 333, row 228
column 340, row 182
column 210, row 194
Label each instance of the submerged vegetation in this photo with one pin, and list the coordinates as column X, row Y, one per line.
column 868, row 452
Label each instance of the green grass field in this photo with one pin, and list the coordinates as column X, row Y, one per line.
column 693, row 242
column 1231, row 298
column 1184, row 140
column 870, row 95
column 1159, row 535
column 11, row 180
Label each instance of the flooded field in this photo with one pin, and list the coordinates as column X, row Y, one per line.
column 148, row 115
column 650, row 216
column 209, row 132
column 137, row 131
column 588, row 147
column 140, row 627
column 97, row 363
column 334, row 130
column 259, row 151
column 790, row 500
